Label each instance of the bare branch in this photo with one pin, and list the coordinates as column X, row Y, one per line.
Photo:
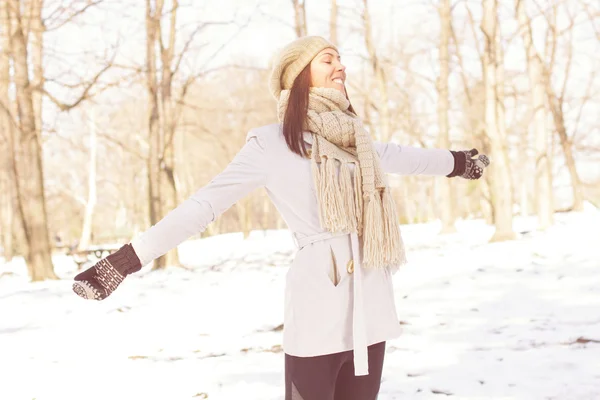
column 198, row 29
column 84, row 96
column 275, row 18
column 588, row 96
column 463, row 75
column 193, row 78
column 6, row 110
column 71, row 17
column 135, row 151
column 472, row 25
column 60, row 189
column 136, row 72
column 591, row 18
column 569, row 62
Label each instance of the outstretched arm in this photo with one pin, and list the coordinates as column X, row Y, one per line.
column 408, row 160
column 246, row 172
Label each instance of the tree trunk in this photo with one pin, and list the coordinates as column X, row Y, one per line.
column 168, row 186
column 31, row 202
column 559, row 123
column 36, row 44
column 367, row 122
column 300, row 17
column 333, row 22
column 555, row 100
column 6, row 197
column 525, row 182
column 430, row 202
column 88, row 218
column 444, row 185
column 385, row 118
column 169, row 202
column 266, row 212
column 7, row 208
column 6, row 201
column 244, row 210
column 499, row 168
column 408, row 201
column 486, row 203
column 154, row 137
column 543, row 172
column 501, row 111
column 6, row 214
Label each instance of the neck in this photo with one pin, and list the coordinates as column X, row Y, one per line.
column 331, row 98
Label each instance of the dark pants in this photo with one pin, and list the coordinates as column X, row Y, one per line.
column 331, row 377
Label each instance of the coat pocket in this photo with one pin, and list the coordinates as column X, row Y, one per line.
column 334, row 273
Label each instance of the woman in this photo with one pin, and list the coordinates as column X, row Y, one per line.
column 326, row 178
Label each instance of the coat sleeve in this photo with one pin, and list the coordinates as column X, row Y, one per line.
column 407, row 160
column 246, row 172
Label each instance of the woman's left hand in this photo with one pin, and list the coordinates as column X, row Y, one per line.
column 466, row 166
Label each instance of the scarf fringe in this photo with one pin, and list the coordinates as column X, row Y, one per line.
column 348, row 198
column 332, row 196
column 392, row 234
column 374, row 250
column 337, row 208
column 358, row 198
column 383, row 243
column 342, row 209
column 350, row 203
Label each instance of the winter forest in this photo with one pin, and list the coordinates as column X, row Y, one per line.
column 113, row 112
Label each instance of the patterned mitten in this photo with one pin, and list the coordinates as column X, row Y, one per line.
column 100, row 280
column 467, row 167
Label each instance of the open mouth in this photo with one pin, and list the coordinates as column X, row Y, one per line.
column 339, row 81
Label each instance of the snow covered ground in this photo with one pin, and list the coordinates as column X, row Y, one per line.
column 513, row 320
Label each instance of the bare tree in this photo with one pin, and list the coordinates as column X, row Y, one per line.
column 6, row 197
column 445, row 190
column 500, row 175
column 23, row 24
column 556, row 106
column 556, row 103
column 90, row 203
column 385, row 118
column 474, row 113
column 501, row 108
column 7, row 209
column 168, row 113
column 29, row 176
column 6, row 206
column 333, row 17
column 153, row 15
column 167, row 53
column 300, row 17
column 543, row 172
column 36, row 42
column 165, row 109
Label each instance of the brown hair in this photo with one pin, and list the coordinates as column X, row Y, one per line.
column 295, row 114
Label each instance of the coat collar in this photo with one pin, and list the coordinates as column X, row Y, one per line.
column 308, row 137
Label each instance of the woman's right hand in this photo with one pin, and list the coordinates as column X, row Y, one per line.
column 103, row 278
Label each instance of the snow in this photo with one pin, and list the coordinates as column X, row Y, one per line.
column 509, row 320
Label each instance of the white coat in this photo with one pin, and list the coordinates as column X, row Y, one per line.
column 331, row 303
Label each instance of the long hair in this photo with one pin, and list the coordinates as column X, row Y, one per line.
column 295, row 114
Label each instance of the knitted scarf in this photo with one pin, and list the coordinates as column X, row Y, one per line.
column 361, row 203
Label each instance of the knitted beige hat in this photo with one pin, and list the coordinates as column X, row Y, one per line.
column 292, row 59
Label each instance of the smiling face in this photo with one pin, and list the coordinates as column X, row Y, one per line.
column 327, row 70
